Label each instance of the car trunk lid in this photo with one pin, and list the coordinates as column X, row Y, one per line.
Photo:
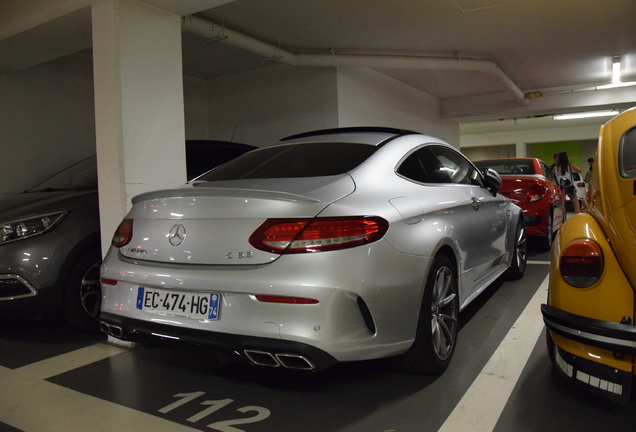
column 520, row 189
column 211, row 223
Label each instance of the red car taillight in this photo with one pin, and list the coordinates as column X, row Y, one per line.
column 581, row 263
column 285, row 236
column 536, row 192
column 123, row 234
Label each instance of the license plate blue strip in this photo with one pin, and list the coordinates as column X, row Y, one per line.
column 213, row 312
column 140, row 298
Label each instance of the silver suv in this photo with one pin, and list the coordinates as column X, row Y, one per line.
column 50, row 247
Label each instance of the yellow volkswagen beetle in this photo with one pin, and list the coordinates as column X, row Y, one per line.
column 589, row 314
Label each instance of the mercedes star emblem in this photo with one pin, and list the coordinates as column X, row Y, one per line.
column 177, row 235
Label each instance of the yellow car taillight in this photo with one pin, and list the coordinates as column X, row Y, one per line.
column 581, row 263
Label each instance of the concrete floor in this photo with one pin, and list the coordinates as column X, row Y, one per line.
column 56, row 378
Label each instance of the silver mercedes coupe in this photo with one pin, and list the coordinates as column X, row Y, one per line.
column 331, row 246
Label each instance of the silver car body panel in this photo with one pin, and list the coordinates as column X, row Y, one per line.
column 388, row 275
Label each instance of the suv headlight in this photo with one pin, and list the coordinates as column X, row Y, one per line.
column 29, row 226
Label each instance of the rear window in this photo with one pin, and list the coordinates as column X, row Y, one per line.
column 294, row 160
column 627, row 158
column 507, row 167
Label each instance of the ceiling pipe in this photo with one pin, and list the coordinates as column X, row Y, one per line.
column 213, row 32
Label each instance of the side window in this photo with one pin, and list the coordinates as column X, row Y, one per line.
column 424, row 167
column 547, row 173
column 457, row 167
column 627, row 155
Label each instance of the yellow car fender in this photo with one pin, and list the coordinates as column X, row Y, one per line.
column 610, row 298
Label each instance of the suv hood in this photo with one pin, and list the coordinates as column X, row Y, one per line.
column 14, row 206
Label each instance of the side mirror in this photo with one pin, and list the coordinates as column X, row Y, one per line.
column 492, row 180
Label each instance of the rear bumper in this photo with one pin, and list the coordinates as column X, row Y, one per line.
column 535, row 221
column 594, row 378
column 612, row 336
column 532, row 220
column 259, row 351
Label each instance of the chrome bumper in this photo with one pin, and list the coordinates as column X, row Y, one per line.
column 617, row 337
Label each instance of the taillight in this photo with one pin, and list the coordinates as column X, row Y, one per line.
column 284, row 236
column 581, row 263
column 123, row 234
column 536, row 192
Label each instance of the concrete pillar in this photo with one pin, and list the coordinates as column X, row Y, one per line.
column 138, row 104
column 522, row 149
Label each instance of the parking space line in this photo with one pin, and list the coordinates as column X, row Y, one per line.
column 69, row 361
column 485, row 400
column 539, row 262
column 31, row 404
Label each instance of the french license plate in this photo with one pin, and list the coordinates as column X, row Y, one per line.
column 179, row 304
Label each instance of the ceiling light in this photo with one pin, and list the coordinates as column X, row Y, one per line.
column 616, row 85
column 616, row 76
column 587, row 114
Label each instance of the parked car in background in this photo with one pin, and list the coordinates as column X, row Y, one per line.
column 581, row 189
column 589, row 313
column 203, row 155
column 50, row 250
column 50, row 247
column 332, row 246
column 530, row 184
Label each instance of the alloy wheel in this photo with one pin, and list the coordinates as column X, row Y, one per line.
column 444, row 313
column 90, row 291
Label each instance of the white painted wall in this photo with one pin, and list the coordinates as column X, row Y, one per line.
column 47, row 120
column 369, row 98
column 261, row 107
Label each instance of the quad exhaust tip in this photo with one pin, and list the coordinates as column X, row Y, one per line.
column 111, row 330
column 286, row 360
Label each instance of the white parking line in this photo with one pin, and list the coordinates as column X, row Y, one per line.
column 539, row 262
column 485, row 400
column 69, row 361
column 31, row 404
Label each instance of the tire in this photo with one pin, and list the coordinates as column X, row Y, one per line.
column 82, row 291
column 545, row 242
column 436, row 334
column 520, row 254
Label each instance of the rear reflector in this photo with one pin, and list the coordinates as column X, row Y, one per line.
column 581, row 263
column 285, row 236
column 291, row 300
column 108, row 281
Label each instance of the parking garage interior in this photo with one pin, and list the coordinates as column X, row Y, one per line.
column 132, row 80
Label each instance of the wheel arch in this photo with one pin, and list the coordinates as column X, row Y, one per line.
column 87, row 243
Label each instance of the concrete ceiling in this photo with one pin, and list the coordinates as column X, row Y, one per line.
column 554, row 52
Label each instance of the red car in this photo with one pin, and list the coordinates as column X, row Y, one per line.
column 531, row 185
